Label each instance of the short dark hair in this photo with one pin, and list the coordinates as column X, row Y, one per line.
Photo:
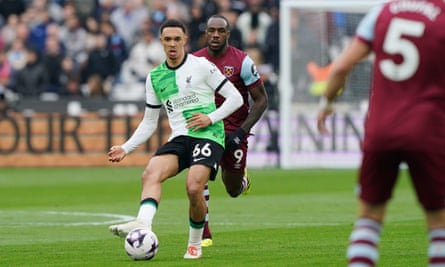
column 220, row 17
column 173, row 23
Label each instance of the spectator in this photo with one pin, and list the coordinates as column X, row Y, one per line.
column 5, row 77
column 253, row 24
column 104, row 10
column 115, row 43
column 68, row 71
column 11, row 7
column 272, row 42
column 37, row 33
column 94, row 87
column 5, row 70
column 72, row 89
column 235, row 38
column 52, row 60
column 69, row 78
column 158, row 12
column 197, row 27
column 32, row 80
column 223, row 6
column 144, row 56
column 100, row 61
column 53, row 30
column 55, row 10
column 210, row 8
column 128, row 18
column 22, row 33
column 16, row 55
column 147, row 25
column 85, row 8
column 69, row 9
column 8, row 31
column 177, row 10
column 73, row 37
column 92, row 28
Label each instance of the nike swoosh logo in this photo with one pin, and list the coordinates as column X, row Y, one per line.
column 198, row 159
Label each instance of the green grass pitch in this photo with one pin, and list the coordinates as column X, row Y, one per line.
column 60, row 216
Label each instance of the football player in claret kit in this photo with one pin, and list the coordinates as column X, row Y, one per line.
column 405, row 121
column 240, row 69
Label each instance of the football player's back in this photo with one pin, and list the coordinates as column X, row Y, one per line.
column 408, row 89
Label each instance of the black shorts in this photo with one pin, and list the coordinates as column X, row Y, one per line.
column 191, row 151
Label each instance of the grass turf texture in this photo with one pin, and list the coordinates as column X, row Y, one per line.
column 52, row 217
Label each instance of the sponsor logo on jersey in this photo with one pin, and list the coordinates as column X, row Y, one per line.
column 169, row 106
column 182, row 102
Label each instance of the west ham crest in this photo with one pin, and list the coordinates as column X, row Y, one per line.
column 228, row 71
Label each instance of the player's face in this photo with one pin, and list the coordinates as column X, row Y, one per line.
column 217, row 34
column 173, row 40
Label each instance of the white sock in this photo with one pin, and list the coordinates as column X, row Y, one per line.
column 147, row 211
column 362, row 250
column 195, row 236
column 436, row 250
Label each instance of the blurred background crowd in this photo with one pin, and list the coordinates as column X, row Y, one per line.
column 53, row 49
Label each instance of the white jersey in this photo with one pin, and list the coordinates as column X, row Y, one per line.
column 184, row 90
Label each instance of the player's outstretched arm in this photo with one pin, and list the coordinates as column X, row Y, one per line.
column 144, row 130
column 341, row 67
column 116, row 154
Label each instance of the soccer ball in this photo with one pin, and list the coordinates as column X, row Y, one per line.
column 141, row 244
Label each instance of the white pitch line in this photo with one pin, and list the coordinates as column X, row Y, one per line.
column 116, row 218
column 15, row 218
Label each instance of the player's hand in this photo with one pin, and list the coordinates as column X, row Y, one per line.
column 116, row 154
column 321, row 120
column 234, row 139
column 198, row 121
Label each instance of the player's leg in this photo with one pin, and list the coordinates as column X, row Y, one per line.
column 207, row 234
column 427, row 171
column 204, row 167
column 233, row 171
column 235, row 182
column 364, row 239
column 246, row 183
column 158, row 169
column 196, row 179
column 436, row 236
column 378, row 174
column 234, row 176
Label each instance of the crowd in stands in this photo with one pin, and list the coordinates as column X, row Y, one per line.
column 50, row 49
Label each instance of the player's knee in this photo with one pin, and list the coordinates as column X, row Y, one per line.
column 145, row 174
column 149, row 176
column 194, row 189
